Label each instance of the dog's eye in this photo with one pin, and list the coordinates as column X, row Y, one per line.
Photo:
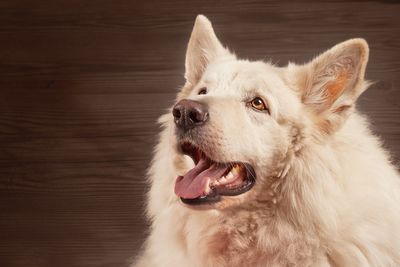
column 258, row 104
column 203, row 91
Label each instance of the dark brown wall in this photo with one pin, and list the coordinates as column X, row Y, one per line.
column 82, row 83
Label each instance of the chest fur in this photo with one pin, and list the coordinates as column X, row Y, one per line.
column 246, row 241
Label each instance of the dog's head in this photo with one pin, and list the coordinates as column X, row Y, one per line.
column 241, row 121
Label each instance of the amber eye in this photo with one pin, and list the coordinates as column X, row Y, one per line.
column 258, row 104
column 203, row 91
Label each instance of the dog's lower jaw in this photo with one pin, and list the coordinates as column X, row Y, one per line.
column 266, row 190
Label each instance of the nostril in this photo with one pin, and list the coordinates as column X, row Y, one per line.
column 198, row 116
column 194, row 116
column 177, row 113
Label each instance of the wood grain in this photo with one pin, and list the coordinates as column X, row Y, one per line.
column 83, row 82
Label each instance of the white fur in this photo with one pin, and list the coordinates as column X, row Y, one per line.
column 326, row 192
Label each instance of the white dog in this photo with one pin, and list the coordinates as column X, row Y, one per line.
column 259, row 165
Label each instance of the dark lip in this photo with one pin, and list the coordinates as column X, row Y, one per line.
column 217, row 193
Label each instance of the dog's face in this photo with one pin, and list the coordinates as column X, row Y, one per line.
column 245, row 103
column 239, row 121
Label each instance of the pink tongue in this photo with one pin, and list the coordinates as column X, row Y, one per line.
column 192, row 184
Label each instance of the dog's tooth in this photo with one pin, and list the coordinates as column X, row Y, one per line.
column 207, row 188
column 237, row 168
column 234, row 170
column 222, row 180
column 230, row 176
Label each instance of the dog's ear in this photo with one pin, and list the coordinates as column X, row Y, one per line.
column 203, row 47
column 331, row 83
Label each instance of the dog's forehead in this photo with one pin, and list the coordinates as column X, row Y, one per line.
column 243, row 73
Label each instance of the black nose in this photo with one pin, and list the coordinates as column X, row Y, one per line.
column 189, row 114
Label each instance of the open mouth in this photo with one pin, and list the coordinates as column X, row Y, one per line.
column 209, row 180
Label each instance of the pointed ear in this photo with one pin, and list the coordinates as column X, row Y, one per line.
column 203, row 47
column 331, row 83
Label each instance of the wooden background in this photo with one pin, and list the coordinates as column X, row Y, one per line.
column 82, row 83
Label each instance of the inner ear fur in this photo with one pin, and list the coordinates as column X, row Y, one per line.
column 331, row 83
